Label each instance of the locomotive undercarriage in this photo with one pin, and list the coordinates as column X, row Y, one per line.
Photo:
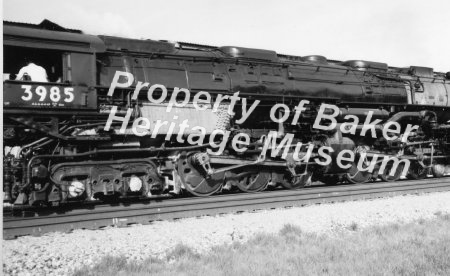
column 80, row 162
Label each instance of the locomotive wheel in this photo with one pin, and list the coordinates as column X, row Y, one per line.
column 416, row 171
column 385, row 175
column 254, row 182
column 353, row 174
column 296, row 182
column 195, row 179
column 438, row 170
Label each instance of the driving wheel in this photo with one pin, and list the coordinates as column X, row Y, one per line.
column 194, row 175
column 354, row 175
column 298, row 181
column 385, row 175
column 417, row 171
column 253, row 181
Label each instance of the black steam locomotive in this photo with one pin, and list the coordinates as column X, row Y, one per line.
column 57, row 148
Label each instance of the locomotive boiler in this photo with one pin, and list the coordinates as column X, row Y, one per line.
column 73, row 137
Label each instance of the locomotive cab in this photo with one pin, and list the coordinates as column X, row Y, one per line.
column 68, row 58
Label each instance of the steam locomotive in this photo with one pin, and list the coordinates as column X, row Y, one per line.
column 58, row 150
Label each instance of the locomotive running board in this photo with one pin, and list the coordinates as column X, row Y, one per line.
column 29, row 122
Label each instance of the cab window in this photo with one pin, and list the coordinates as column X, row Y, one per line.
column 16, row 58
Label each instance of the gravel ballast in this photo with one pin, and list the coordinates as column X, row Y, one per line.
column 61, row 253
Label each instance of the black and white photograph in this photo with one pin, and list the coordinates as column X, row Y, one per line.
column 238, row 137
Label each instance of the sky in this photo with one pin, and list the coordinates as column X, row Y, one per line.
column 398, row 32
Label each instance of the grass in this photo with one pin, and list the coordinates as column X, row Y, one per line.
column 419, row 248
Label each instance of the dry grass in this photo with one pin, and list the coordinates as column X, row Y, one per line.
column 420, row 248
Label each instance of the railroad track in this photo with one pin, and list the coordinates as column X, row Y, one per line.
column 123, row 214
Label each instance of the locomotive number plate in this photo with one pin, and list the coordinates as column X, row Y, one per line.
column 55, row 96
column 41, row 95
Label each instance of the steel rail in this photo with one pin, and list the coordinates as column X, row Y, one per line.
column 144, row 212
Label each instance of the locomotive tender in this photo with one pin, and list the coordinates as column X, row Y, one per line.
column 59, row 145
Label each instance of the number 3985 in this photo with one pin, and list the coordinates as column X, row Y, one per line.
column 54, row 94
